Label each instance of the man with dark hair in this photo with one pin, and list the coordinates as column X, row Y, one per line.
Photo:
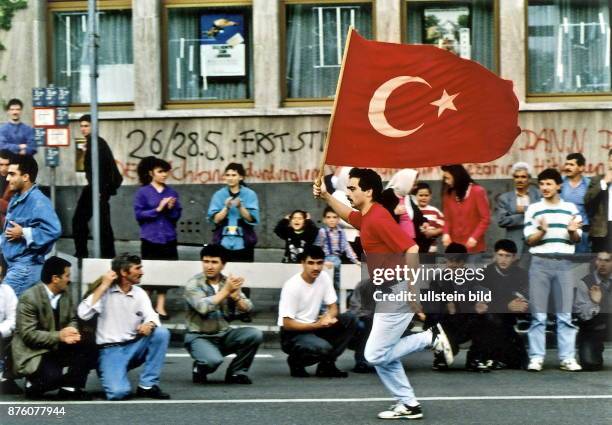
column 6, row 157
column 31, row 227
column 16, row 136
column 574, row 189
column 552, row 227
column 47, row 338
column 598, row 203
column 211, row 296
column 305, row 336
column 110, row 180
column 128, row 331
column 593, row 305
column 382, row 238
column 509, row 288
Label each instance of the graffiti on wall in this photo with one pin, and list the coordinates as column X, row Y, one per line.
column 289, row 149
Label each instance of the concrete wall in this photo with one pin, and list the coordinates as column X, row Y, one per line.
column 276, row 200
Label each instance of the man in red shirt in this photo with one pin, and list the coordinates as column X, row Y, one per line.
column 382, row 240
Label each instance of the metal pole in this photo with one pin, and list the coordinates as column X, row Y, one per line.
column 53, row 200
column 93, row 143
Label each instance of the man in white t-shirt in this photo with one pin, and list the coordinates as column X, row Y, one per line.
column 308, row 337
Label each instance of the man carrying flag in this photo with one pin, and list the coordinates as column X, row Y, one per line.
column 407, row 106
column 382, row 239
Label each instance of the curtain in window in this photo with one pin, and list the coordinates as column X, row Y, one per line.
column 482, row 27
column 315, row 43
column 184, row 78
column 115, row 55
column 569, row 46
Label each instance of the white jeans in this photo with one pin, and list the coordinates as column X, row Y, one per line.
column 385, row 348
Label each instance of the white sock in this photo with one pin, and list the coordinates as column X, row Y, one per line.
column 71, row 389
column 145, row 388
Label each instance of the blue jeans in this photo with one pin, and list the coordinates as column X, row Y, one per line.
column 115, row 362
column 385, row 348
column 337, row 262
column 546, row 275
column 22, row 276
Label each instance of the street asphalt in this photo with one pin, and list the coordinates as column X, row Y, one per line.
column 453, row 397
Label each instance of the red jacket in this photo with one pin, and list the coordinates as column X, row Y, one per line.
column 469, row 218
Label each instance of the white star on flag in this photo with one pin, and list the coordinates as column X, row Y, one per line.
column 445, row 102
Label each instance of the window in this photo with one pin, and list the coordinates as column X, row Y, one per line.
column 569, row 46
column 208, row 55
column 69, row 64
column 315, row 38
column 467, row 28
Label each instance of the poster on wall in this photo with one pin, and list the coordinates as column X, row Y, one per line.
column 222, row 48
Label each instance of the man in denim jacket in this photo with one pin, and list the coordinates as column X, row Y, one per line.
column 210, row 297
column 31, row 226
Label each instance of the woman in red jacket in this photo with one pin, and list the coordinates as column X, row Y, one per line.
column 466, row 209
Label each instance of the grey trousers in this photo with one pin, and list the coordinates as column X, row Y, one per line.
column 208, row 351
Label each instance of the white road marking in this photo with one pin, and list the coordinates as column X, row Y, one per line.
column 257, row 356
column 315, row 400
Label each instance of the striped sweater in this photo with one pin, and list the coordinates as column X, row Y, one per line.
column 556, row 240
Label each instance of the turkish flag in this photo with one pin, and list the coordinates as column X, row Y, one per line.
column 401, row 106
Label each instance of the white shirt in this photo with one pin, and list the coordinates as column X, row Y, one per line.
column 8, row 310
column 53, row 298
column 119, row 314
column 301, row 301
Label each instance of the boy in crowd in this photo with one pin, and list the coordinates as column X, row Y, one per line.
column 435, row 218
column 335, row 245
column 508, row 284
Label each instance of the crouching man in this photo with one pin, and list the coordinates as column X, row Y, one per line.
column 128, row 331
column 210, row 296
column 307, row 337
column 47, row 339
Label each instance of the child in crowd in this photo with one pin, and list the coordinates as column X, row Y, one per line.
column 298, row 231
column 435, row 219
column 335, row 244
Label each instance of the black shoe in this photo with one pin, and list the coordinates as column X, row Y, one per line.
column 163, row 316
column 477, row 366
column 153, row 392
column 329, row 370
column 9, row 386
column 401, row 411
column 238, row 379
column 363, row 368
column 76, row 395
column 297, row 371
column 496, row 365
column 439, row 363
column 197, row 376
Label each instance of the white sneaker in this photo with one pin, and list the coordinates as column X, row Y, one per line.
column 535, row 364
column 401, row 411
column 570, row 365
column 440, row 344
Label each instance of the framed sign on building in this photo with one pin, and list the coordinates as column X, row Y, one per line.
column 223, row 45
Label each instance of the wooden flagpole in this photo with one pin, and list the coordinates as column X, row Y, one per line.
column 319, row 178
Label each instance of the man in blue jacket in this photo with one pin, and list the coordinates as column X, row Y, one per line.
column 16, row 136
column 31, row 226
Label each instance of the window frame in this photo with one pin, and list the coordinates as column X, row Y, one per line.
column 78, row 6
column 308, row 101
column 496, row 26
column 200, row 103
column 556, row 97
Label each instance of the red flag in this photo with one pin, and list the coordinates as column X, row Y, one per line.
column 403, row 106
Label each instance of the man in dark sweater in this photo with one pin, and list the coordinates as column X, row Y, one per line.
column 508, row 284
column 592, row 305
column 110, row 180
